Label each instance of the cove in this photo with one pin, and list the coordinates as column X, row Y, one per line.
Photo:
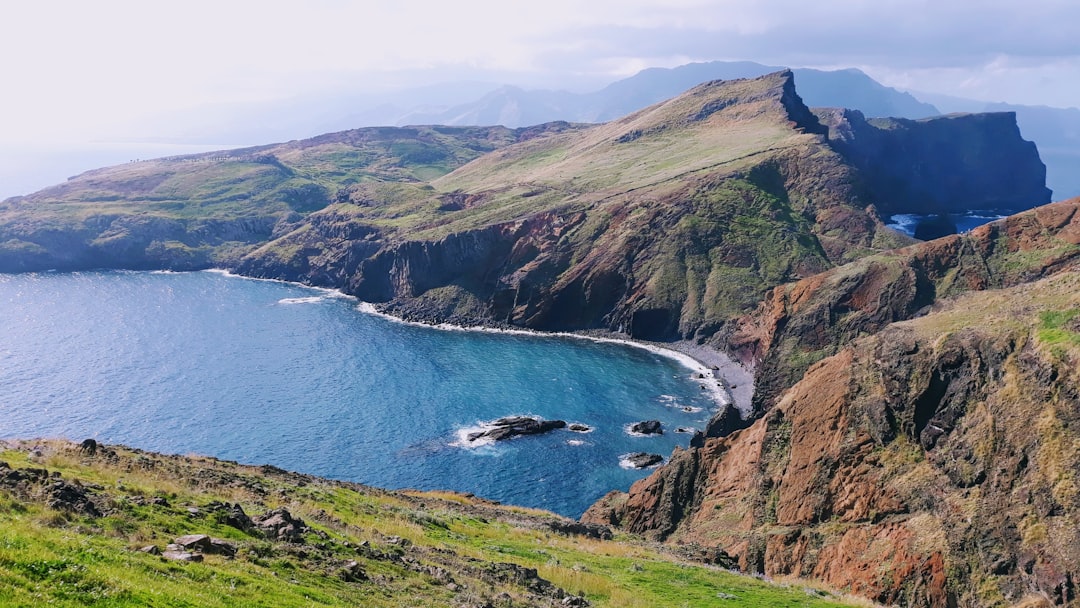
column 275, row 373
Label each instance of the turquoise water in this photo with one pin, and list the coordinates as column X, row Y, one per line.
column 265, row 372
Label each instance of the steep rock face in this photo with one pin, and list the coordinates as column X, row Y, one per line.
column 933, row 464
column 801, row 323
column 946, row 164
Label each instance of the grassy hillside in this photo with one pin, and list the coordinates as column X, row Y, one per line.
column 74, row 528
column 206, row 209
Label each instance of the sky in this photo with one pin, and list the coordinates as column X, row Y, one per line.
column 110, row 70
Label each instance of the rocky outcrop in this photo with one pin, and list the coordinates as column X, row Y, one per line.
column 946, row 164
column 515, row 426
column 647, row 427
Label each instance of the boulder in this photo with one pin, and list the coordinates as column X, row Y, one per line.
column 577, row 528
column 231, row 515
column 279, row 524
column 647, row 427
column 182, row 556
column 205, row 544
column 577, row 427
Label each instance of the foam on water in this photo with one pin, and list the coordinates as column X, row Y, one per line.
column 305, row 300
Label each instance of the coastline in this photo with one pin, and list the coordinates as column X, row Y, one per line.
column 728, row 382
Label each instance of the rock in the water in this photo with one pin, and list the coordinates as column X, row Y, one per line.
column 685, row 429
column 512, row 426
column 647, row 427
column 640, row 460
column 577, row 427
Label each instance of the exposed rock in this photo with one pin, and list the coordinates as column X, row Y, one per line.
column 352, row 572
column 513, row 426
column 231, row 515
column 279, row 524
column 597, row 531
column 641, row 460
column 202, row 543
column 724, row 422
column 65, row 496
column 151, row 549
column 647, row 427
column 507, row 573
column 577, row 427
column 182, row 556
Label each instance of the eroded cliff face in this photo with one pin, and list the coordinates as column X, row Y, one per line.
column 803, row 322
column 933, row 464
column 928, row 462
column 941, row 165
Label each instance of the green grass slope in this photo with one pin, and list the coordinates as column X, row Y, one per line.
column 201, row 210
column 72, row 525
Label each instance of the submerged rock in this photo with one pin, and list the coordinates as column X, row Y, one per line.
column 512, row 426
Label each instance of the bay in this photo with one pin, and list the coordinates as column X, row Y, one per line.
column 268, row 372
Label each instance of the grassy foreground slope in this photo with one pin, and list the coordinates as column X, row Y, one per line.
column 72, row 525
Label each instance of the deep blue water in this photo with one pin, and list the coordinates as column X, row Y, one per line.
column 265, row 372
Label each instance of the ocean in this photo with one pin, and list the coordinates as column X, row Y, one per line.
column 265, row 372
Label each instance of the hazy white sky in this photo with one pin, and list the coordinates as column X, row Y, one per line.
column 74, row 69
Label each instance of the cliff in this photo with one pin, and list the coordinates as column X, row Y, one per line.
column 926, row 462
column 940, row 165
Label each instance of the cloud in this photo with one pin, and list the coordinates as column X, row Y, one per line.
column 74, row 66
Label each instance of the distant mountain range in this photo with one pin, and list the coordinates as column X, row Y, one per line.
column 1056, row 131
column 514, row 106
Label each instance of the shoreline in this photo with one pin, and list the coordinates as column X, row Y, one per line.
column 728, row 382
